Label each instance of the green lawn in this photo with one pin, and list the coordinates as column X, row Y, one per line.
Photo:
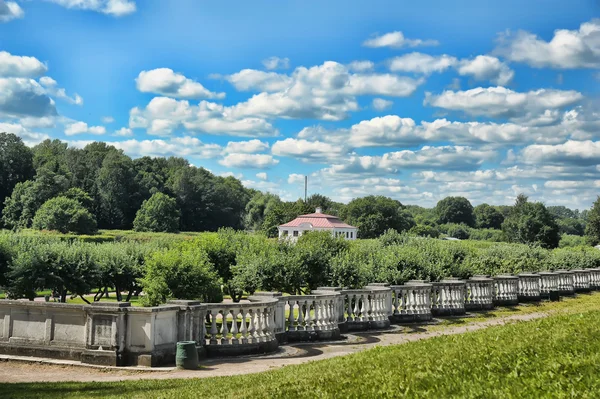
column 554, row 357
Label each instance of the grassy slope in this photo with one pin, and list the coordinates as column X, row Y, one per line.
column 554, row 357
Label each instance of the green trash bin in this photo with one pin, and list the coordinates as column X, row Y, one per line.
column 187, row 355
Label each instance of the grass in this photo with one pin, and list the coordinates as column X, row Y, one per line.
column 558, row 356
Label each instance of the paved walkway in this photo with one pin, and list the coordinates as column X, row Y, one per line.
column 24, row 369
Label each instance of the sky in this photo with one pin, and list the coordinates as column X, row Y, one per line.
column 412, row 100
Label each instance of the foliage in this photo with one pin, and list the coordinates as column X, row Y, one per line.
column 423, row 230
column 375, row 214
column 281, row 213
column 159, row 213
column 64, row 215
column 490, row 235
column 455, row 210
column 257, row 208
column 17, row 164
column 531, row 223
column 567, row 240
column 592, row 229
column 487, row 217
column 459, row 231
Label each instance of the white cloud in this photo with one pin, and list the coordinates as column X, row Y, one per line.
column 397, row 40
column 168, row 83
column 295, row 178
column 567, row 48
column 116, row 8
column 276, row 63
column 422, row 63
column 29, row 138
column 262, row 176
column 503, row 102
column 82, row 128
column 22, row 97
column 307, row 150
column 108, row 119
column 15, row 66
column 246, row 147
column 252, row 79
column 361, row 66
column 578, row 153
column 251, row 161
column 177, row 146
column 163, row 115
column 449, row 157
column 485, row 67
column 381, row 105
column 123, row 132
column 52, row 89
column 10, row 10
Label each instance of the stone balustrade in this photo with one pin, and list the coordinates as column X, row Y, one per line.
column 594, row 279
column 448, row 297
column 311, row 316
column 581, row 280
column 548, row 283
column 479, row 293
column 506, row 290
column 366, row 308
column 529, row 287
column 566, row 283
column 411, row 302
column 241, row 328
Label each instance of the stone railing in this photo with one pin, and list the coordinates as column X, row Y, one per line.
column 448, row 297
column 241, row 328
column 506, row 290
column 411, row 302
column 365, row 308
column 581, row 280
column 311, row 316
column 548, row 284
column 594, row 279
column 566, row 284
column 479, row 293
column 529, row 287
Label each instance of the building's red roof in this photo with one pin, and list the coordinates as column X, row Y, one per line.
column 319, row 220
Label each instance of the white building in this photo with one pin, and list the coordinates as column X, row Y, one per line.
column 317, row 222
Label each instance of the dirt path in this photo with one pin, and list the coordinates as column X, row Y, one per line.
column 21, row 371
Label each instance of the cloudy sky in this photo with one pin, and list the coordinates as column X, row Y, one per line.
column 412, row 100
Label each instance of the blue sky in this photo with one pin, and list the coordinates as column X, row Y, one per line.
column 413, row 100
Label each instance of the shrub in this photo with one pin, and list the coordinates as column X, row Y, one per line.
column 423, row 230
column 64, row 215
column 159, row 213
column 459, row 231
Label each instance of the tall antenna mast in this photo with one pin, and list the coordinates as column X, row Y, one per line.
column 305, row 186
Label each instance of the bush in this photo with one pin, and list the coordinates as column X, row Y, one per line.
column 64, row 215
column 159, row 213
column 459, row 231
column 422, row 230
column 491, row 235
column 568, row 240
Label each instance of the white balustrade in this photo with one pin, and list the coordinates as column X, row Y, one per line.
column 411, row 302
column 448, row 297
column 548, row 283
column 566, row 283
column 529, row 287
column 479, row 293
column 506, row 290
column 366, row 308
column 594, row 279
column 581, row 280
column 311, row 312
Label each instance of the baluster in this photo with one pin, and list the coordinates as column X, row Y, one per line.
column 291, row 317
column 318, row 314
column 224, row 327
column 301, row 324
column 364, row 310
column 308, row 317
column 243, row 328
column 234, row 327
column 252, row 326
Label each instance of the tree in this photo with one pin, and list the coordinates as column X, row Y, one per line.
column 116, row 189
column 325, row 203
column 487, row 217
column 158, row 214
column 455, row 210
column 259, row 205
column 281, row 213
column 423, row 230
column 16, row 161
column 459, row 231
column 65, row 215
column 375, row 214
column 592, row 229
column 531, row 223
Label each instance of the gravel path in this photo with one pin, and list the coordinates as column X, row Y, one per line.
column 28, row 371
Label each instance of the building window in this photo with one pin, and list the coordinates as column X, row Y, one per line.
column 295, row 233
column 351, row 234
column 284, row 233
column 347, row 235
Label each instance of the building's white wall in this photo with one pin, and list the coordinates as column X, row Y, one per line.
column 344, row 232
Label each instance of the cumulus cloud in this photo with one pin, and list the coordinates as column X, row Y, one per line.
column 21, row 97
column 361, row 66
column 246, row 147
column 503, row 102
column 177, row 146
column 421, row 63
column 572, row 152
column 381, row 104
column 108, row 119
column 250, row 161
column 29, row 137
column 14, row 66
column 123, row 132
column 485, row 67
column 295, row 178
column 252, row 79
column 308, row 151
column 262, row 176
column 83, row 128
column 567, row 49
column 10, row 10
column 166, row 82
column 115, row 8
column 397, row 40
column 52, row 89
column 276, row 63
column 163, row 115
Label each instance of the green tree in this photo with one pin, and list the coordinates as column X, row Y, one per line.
column 487, row 217
column 158, row 214
column 455, row 210
column 375, row 214
column 325, row 203
column 281, row 213
column 65, row 215
column 531, row 223
column 116, row 190
column 592, row 229
column 16, row 161
column 423, row 230
column 259, row 205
